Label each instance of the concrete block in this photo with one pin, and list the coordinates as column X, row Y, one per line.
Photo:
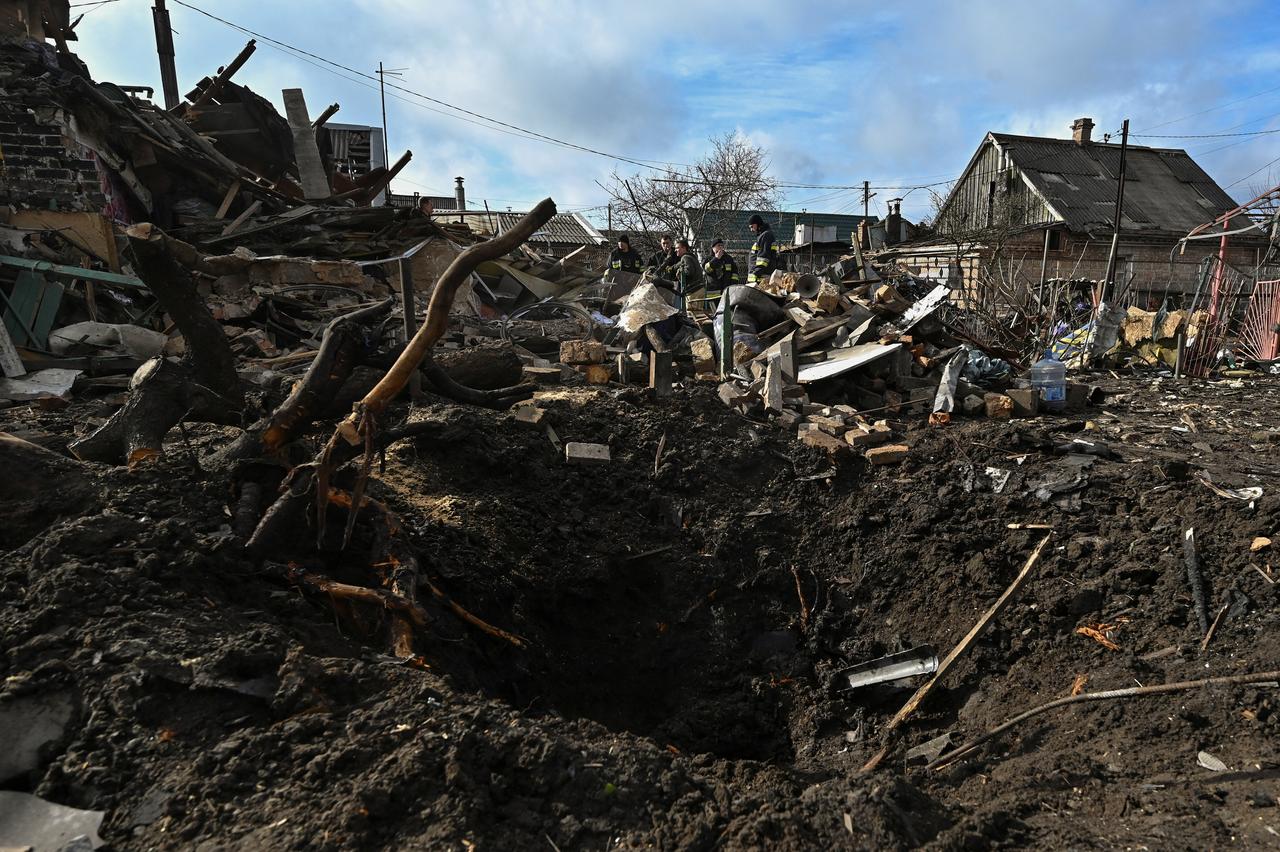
column 998, row 406
column 815, row 437
column 705, row 358
column 732, row 395
column 586, row 454
column 869, row 436
column 1026, row 401
column 830, row 425
column 582, row 352
column 1077, row 397
column 891, row 454
column 973, row 405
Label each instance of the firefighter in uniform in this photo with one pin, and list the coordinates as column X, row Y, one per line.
column 624, row 258
column 663, row 262
column 720, row 270
column 688, row 273
column 764, row 254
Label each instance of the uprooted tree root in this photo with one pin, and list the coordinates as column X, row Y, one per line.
column 204, row 386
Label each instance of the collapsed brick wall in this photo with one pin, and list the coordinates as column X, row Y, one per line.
column 42, row 168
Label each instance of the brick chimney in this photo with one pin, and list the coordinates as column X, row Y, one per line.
column 1081, row 129
column 460, row 194
column 893, row 222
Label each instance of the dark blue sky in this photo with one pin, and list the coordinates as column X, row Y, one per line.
column 837, row 92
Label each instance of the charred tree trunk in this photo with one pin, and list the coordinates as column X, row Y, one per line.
column 314, row 477
column 203, row 385
column 342, row 348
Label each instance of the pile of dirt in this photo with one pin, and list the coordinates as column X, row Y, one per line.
column 686, row 608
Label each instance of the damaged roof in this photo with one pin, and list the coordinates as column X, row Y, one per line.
column 568, row 228
column 1165, row 190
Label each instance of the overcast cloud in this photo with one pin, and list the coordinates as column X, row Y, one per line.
column 838, row 92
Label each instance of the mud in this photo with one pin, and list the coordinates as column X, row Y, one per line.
column 686, row 614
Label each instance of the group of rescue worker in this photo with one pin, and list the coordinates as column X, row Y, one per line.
column 675, row 262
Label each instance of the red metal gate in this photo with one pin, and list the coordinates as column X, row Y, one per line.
column 1260, row 330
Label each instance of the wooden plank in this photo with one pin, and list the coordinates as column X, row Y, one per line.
column 825, row 333
column 239, row 220
column 974, row 632
column 275, row 222
column 315, row 183
column 90, row 232
column 232, row 192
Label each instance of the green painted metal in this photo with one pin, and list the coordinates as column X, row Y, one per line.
column 57, row 269
column 33, row 308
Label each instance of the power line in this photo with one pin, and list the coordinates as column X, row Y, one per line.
column 1212, row 109
column 1200, row 135
column 1254, row 172
column 650, row 164
column 502, row 126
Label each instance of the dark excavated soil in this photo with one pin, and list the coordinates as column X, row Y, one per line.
column 672, row 695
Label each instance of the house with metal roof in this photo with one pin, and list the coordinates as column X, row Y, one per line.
column 833, row 233
column 1046, row 206
column 789, row 227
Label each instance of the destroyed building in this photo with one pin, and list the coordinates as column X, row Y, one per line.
column 331, row 525
column 1045, row 202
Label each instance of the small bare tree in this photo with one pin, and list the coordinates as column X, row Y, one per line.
column 1004, row 305
column 731, row 176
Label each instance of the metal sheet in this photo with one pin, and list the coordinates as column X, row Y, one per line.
column 845, row 360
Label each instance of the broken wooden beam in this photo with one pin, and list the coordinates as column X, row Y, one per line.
column 315, row 183
column 228, row 199
column 239, row 220
column 215, row 85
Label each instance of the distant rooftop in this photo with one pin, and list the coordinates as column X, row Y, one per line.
column 731, row 225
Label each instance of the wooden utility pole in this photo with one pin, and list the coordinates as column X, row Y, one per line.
column 1044, row 268
column 866, row 199
column 1109, row 282
column 164, row 48
column 382, row 92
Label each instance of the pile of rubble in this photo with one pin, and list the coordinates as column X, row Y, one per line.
column 846, row 358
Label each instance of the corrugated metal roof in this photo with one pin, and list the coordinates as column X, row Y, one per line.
column 1165, row 190
column 566, row 228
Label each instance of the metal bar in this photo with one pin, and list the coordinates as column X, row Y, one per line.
column 50, row 268
column 409, row 298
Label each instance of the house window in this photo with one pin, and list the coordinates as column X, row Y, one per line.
column 1056, row 240
column 991, row 203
